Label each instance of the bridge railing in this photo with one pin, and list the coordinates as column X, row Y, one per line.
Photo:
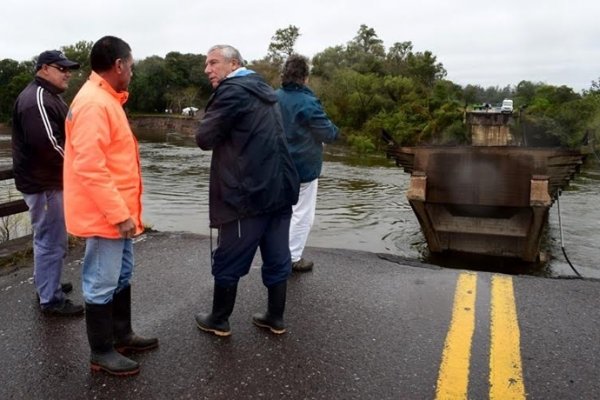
column 10, row 207
column 15, row 242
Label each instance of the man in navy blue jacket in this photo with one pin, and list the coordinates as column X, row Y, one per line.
column 253, row 185
column 307, row 127
column 38, row 150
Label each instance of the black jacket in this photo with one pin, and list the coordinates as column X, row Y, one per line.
column 251, row 171
column 38, row 138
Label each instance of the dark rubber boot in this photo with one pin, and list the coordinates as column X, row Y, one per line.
column 273, row 319
column 217, row 322
column 104, row 357
column 302, row 265
column 125, row 340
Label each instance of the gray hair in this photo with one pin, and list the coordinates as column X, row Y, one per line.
column 229, row 53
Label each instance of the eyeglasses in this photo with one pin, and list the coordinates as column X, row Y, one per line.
column 64, row 70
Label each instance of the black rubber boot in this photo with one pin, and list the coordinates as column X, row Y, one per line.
column 125, row 340
column 273, row 319
column 104, row 357
column 217, row 322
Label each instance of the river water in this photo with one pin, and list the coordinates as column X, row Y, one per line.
column 361, row 205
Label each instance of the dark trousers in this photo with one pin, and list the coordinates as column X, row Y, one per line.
column 237, row 244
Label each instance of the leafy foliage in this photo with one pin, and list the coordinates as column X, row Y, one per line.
column 281, row 47
column 282, row 43
column 14, row 76
column 364, row 87
column 79, row 52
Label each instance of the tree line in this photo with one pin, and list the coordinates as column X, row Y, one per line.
column 364, row 87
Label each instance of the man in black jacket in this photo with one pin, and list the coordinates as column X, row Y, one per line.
column 253, row 185
column 37, row 146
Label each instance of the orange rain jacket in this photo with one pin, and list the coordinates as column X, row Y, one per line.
column 102, row 178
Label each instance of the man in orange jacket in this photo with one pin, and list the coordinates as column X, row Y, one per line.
column 102, row 196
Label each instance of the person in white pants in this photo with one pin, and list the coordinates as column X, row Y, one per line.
column 303, row 217
column 307, row 127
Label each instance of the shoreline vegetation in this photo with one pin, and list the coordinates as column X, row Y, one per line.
column 365, row 88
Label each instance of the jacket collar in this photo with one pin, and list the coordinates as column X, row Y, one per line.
column 101, row 82
column 293, row 86
column 47, row 85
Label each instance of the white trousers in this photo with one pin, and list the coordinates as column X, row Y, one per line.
column 302, row 218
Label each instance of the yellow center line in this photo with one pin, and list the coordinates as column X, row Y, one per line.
column 506, row 374
column 453, row 378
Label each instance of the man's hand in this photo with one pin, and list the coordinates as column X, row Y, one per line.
column 126, row 228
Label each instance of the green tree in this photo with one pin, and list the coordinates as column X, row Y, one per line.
column 424, row 68
column 444, row 121
column 366, row 41
column 148, row 86
column 396, row 59
column 14, row 76
column 365, row 53
column 398, row 89
column 363, row 88
column 186, row 69
column 268, row 70
column 473, row 94
column 557, row 116
column 175, row 82
column 354, row 97
column 525, row 93
column 79, row 52
column 325, row 63
column 282, row 43
column 281, row 46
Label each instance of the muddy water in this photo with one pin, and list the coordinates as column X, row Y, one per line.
column 361, row 205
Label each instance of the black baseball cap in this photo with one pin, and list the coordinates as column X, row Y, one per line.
column 55, row 57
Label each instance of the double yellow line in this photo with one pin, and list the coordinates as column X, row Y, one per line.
column 506, row 377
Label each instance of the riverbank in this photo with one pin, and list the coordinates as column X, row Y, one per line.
column 148, row 122
column 164, row 123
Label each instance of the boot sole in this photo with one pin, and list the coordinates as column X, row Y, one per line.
column 128, row 350
column 99, row 368
column 214, row 331
column 273, row 330
column 62, row 315
column 302, row 269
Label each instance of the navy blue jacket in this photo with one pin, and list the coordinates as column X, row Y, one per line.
column 307, row 127
column 38, row 138
column 251, row 170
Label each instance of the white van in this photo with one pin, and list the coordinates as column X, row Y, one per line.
column 507, row 106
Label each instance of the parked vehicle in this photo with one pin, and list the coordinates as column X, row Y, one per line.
column 507, row 106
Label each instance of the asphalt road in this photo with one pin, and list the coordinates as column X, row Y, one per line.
column 360, row 326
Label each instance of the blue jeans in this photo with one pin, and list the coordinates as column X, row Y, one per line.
column 239, row 240
column 107, row 268
column 49, row 243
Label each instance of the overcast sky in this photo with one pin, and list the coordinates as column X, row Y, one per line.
column 488, row 43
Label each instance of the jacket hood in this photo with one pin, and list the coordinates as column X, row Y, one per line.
column 254, row 84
